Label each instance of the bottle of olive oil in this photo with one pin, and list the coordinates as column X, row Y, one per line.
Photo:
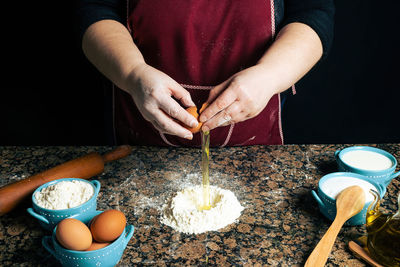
column 383, row 234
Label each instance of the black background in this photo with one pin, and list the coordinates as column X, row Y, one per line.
column 51, row 95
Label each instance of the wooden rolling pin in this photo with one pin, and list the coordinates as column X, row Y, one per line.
column 84, row 167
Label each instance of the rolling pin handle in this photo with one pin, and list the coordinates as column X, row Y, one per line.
column 118, row 153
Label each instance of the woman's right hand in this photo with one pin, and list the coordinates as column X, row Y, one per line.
column 108, row 45
column 155, row 95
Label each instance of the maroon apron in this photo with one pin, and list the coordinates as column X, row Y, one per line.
column 200, row 44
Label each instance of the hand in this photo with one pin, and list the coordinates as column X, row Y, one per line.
column 241, row 97
column 154, row 94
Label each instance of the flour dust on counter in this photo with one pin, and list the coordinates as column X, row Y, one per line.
column 182, row 212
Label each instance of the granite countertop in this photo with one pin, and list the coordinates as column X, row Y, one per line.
column 280, row 225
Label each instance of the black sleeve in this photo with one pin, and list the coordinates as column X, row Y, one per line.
column 318, row 14
column 91, row 11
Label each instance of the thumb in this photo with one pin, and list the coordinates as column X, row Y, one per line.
column 216, row 91
column 181, row 94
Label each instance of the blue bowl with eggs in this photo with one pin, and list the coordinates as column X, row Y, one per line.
column 330, row 185
column 372, row 162
column 107, row 256
column 49, row 218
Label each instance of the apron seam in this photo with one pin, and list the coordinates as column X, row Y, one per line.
column 164, row 138
column 272, row 6
column 280, row 119
column 248, row 140
column 127, row 16
column 228, row 137
column 197, row 87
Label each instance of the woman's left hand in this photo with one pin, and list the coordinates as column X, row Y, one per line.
column 241, row 97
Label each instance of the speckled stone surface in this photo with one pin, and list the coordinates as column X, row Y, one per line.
column 280, row 225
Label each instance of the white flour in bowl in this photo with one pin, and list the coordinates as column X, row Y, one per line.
column 332, row 187
column 181, row 212
column 64, row 195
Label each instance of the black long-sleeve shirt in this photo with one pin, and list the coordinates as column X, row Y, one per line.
column 318, row 14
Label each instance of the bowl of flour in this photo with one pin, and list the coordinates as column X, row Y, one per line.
column 330, row 185
column 62, row 198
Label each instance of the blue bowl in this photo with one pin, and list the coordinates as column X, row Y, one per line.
column 327, row 204
column 383, row 177
column 107, row 256
column 48, row 219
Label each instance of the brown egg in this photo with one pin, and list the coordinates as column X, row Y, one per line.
column 108, row 226
column 73, row 234
column 95, row 245
column 193, row 112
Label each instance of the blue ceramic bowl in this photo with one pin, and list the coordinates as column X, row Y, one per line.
column 327, row 204
column 107, row 256
column 48, row 219
column 383, row 177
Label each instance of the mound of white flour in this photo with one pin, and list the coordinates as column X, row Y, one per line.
column 181, row 212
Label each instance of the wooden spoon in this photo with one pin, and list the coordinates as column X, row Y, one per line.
column 349, row 202
column 363, row 254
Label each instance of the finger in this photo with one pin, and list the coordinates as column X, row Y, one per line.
column 216, row 91
column 231, row 114
column 181, row 94
column 212, row 95
column 224, row 100
column 165, row 124
column 174, row 110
